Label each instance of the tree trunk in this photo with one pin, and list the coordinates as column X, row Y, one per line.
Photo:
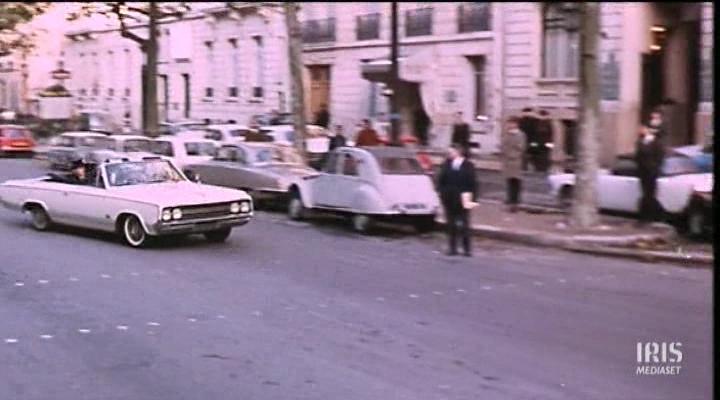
column 150, row 124
column 394, row 77
column 584, row 212
column 295, row 64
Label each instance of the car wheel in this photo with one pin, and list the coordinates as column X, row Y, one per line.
column 39, row 218
column 695, row 222
column 133, row 232
column 218, row 236
column 362, row 223
column 565, row 197
column 425, row 224
column 296, row 209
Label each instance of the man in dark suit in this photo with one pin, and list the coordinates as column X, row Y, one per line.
column 322, row 118
column 457, row 176
column 649, row 155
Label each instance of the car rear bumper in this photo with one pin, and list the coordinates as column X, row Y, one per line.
column 199, row 226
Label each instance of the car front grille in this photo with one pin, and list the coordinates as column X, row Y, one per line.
column 205, row 211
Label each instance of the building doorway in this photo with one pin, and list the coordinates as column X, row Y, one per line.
column 186, row 92
column 319, row 88
column 671, row 69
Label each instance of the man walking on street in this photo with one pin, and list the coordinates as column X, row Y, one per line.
column 461, row 131
column 367, row 137
column 457, row 186
column 649, row 155
column 512, row 148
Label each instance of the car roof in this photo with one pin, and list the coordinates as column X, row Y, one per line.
column 83, row 134
column 129, row 137
column 15, row 126
column 228, row 126
column 182, row 139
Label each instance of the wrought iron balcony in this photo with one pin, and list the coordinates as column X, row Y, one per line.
column 418, row 22
column 318, row 31
column 474, row 17
column 368, row 27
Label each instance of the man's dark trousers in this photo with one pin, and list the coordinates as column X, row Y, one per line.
column 514, row 186
column 648, row 203
column 458, row 222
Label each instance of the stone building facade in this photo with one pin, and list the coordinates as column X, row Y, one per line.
column 216, row 63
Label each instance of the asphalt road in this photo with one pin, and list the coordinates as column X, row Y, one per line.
column 289, row 310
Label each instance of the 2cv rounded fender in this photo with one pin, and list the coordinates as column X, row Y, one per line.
column 368, row 200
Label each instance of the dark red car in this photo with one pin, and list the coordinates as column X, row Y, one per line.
column 15, row 139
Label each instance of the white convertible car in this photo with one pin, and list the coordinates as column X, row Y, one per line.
column 138, row 199
column 683, row 190
column 367, row 185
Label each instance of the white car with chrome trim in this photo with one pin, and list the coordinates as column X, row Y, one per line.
column 368, row 184
column 138, row 199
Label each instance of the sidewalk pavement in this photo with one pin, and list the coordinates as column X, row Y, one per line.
column 615, row 236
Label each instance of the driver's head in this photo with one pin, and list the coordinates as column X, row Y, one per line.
column 78, row 169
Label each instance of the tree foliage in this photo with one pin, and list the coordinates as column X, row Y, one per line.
column 12, row 16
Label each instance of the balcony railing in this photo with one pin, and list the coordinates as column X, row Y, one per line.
column 318, row 31
column 418, row 22
column 368, row 27
column 473, row 17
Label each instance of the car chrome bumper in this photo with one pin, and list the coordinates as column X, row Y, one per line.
column 199, row 225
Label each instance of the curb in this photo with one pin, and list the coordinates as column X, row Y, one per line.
column 618, row 246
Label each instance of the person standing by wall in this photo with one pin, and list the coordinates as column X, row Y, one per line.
column 422, row 125
column 512, row 147
column 322, row 118
column 528, row 124
column 461, row 132
column 649, row 156
column 367, row 136
column 455, row 181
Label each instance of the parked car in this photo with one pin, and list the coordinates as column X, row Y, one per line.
column 172, row 128
column 683, row 191
column 265, row 170
column 368, row 184
column 317, row 142
column 137, row 199
column 702, row 156
column 71, row 146
column 184, row 150
column 227, row 133
column 117, row 146
column 15, row 139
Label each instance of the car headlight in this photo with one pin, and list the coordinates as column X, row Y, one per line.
column 235, row 208
column 166, row 215
column 245, row 207
column 177, row 213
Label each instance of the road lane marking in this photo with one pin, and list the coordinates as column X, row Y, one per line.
column 84, row 331
column 413, row 296
column 192, row 320
column 257, row 313
column 46, row 337
column 436, row 293
column 134, row 274
column 220, row 316
column 380, row 299
column 43, row 282
column 538, row 283
column 19, row 284
column 122, row 327
column 487, row 287
column 11, row 341
column 561, row 280
column 460, row 290
column 73, row 279
column 153, row 324
column 105, row 276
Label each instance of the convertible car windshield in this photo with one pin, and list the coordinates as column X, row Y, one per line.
column 142, row 172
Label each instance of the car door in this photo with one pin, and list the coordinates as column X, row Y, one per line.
column 324, row 185
column 348, row 181
column 85, row 205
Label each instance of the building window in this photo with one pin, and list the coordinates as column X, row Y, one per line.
column 561, row 43
column 83, row 92
column 260, row 67
column 111, row 92
column 473, row 17
column 368, row 27
column 478, row 68
column 418, row 22
column 209, row 68
column 318, row 30
column 233, row 90
column 127, row 92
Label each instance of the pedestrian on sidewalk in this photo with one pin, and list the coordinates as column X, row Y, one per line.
column 512, row 148
column 322, row 118
column 649, row 155
column 367, row 137
column 457, row 179
column 461, row 131
column 338, row 140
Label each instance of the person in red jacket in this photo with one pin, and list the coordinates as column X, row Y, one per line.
column 367, row 137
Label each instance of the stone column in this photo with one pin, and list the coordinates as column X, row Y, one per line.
column 558, row 155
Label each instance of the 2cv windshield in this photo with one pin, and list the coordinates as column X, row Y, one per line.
column 142, row 172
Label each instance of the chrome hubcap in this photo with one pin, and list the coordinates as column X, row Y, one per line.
column 134, row 232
